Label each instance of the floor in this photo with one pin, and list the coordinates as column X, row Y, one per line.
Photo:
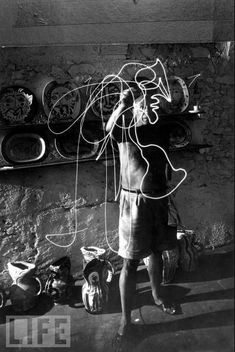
column 204, row 321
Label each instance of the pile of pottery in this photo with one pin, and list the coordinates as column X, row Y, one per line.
column 26, row 287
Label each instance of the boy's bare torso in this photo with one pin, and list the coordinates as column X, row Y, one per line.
column 143, row 164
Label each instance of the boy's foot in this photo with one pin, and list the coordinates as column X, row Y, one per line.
column 168, row 308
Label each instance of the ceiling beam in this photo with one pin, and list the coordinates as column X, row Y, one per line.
column 70, row 22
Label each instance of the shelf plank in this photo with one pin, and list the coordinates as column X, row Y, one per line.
column 53, row 163
column 191, row 148
column 184, row 115
column 117, row 33
column 72, row 22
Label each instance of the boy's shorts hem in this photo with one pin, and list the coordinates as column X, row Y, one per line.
column 144, row 225
column 127, row 255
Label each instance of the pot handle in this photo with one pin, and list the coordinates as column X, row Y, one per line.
column 110, row 269
column 40, row 285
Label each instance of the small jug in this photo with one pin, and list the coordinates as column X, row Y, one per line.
column 189, row 250
column 26, row 287
column 58, row 285
column 170, row 260
column 97, row 274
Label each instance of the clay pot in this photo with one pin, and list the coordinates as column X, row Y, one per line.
column 25, row 287
column 189, row 250
column 97, row 274
column 170, row 260
column 58, row 285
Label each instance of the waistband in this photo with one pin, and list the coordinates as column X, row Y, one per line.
column 138, row 191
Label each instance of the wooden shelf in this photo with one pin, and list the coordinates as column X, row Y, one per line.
column 29, row 125
column 191, row 148
column 185, row 115
column 98, row 127
column 162, row 117
column 54, row 163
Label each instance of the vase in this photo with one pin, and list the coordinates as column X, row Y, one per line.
column 59, row 282
column 189, row 250
column 92, row 252
column 26, row 287
column 95, row 290
column 170, row 259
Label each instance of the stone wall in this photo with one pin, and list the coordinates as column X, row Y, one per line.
column 40, row 201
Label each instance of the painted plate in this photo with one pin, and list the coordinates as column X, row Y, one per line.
column 104, row 99
column 17, row 104
column 179, row 135
column 21, row 148
column 61, row 102
column 67, row 145
column 179, row 95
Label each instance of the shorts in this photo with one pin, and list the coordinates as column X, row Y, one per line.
column 146, row 225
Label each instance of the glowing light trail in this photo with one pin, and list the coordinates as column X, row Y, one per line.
column 160, row 90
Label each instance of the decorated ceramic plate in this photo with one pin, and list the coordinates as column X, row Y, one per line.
column 179, row 95
column 61, row 102
column 104, row 99
column 67, row 145
column 179, row 134
column 21, row 148
column 17, row 104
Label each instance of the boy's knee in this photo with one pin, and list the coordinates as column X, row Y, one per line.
column 130, row 264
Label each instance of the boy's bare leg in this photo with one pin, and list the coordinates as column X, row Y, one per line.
column 127, row 286
column 155, row 275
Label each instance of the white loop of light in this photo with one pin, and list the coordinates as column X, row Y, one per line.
column 97, row 95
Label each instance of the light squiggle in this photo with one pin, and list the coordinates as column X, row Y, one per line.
column 157, row 83
column 63, row 234
column 165, row 93
column 160, row 89
column 194, row 77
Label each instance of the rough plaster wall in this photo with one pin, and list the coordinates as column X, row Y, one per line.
column 40, row 201
column 36, row 202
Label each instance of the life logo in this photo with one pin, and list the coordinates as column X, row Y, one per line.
column 31, row 331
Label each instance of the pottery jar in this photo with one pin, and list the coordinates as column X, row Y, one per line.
column 26, row 287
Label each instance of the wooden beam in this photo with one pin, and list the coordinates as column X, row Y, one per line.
column 130, row 33
column 30, row 13
column 223, row 31
column 68, row 12
column 75, row 22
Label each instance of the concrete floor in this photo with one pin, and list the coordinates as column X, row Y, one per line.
column 204, row 321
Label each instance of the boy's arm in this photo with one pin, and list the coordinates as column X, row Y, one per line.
column 121, row 116
column 113, row 120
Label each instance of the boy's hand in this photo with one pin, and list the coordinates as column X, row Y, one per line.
column 140, row 113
